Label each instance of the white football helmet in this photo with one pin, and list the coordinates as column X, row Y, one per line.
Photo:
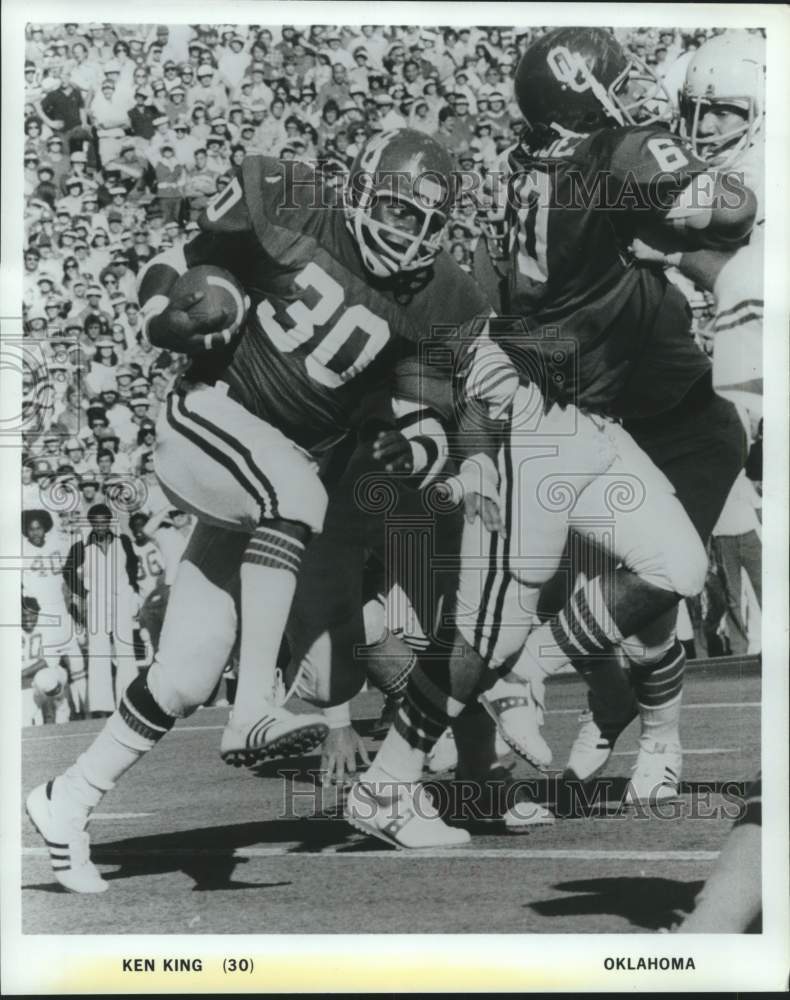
column 728, row 70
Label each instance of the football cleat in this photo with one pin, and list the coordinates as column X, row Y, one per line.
column 518, row 715
column 444, row 755
column 656, row 774
column 277, row 733
column 524, row 815
column 500, row 798
column 401, row 814
column 67, row 841
column 590, row 751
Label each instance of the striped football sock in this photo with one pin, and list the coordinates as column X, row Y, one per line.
column 659, row 690
column 423, row 716
column 269, row 568
column 132, row 730
column 584, row 627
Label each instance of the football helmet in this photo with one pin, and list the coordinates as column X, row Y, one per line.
column 728, row 71
column 411, row 168
column 580, row 79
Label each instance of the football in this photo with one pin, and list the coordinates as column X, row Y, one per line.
column 220, row 290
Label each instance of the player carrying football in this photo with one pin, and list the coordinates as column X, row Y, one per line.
column 339, row 300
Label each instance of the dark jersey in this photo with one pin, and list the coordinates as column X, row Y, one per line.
column 321, row 332
column 574, row 209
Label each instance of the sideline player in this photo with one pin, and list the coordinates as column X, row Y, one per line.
column 45, row 681
column 44, row 550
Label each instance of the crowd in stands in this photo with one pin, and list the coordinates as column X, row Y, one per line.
column 129, row 131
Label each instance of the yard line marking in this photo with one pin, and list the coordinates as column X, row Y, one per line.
column 684, row 708
column 686, row 753
column 551, row 711
column 119, row 815
column 431, row 853
column 95, row 732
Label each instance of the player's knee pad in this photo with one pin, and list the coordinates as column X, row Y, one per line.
column 324, row 678
column 192, row 655
column 654, row 641
column 641, row 654
column 176, row 692
column 197, row 638
column 374, row 620
column 387, row 663
column 676, row 562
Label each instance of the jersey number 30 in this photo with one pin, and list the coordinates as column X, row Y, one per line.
column 353, row 336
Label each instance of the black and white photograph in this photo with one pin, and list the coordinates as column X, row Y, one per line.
column 385, row 511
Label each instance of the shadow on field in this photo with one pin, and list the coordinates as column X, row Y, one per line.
column 207, row 855
column 644, row 902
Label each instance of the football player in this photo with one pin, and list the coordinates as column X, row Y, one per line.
column 731, row 901
column 584, row 129
column 340, row 295
column 722, row 111
column 45, row 681
column 44, row 550
column 586, row 177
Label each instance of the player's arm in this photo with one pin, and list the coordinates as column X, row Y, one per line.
column 677, row 191
column 226, row 236
column 341, row 746
column 417, row 443
column 472, row 368
column 154, row 522
column 703, row 266
column 714, row 211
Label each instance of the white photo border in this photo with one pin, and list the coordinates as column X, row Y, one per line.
column 51, row 964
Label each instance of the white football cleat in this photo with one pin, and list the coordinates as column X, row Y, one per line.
column 524, row 816
column 277, row 733
column 518, row 715
column 656, row 774
column 444, row 756
column 590, row 751
column 401, row 814
column 67, row 841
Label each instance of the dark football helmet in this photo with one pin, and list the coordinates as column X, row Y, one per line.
column 580, row 79
column 411, row 168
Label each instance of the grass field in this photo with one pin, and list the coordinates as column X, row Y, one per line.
column 191, row 845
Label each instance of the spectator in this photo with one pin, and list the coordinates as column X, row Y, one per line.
column 63, row 109
column 105, row 565
column 142, row 115
column 170, row 176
